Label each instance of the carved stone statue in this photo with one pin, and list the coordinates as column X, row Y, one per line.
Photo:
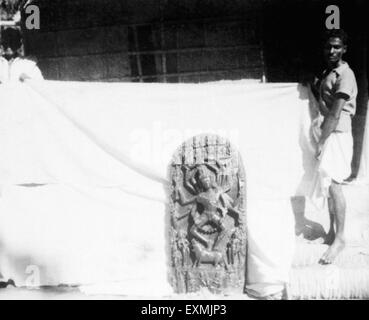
column 208, row 216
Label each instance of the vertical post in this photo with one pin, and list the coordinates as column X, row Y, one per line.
column 162, row 43
column 163, row 55
column 263, row 67
column 177, row 53
column 205, row 44
column 138, row 58
column 260, row 24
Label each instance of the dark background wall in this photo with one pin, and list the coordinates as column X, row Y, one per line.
column 80, row 40
column 148, row 40
column 155, row 40
column 195, row 41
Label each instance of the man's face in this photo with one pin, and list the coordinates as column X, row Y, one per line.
column 334, row 49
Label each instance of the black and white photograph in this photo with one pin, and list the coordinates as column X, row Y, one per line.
column 174, row 150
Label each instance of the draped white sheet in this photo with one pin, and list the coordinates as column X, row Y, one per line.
column 83, row 169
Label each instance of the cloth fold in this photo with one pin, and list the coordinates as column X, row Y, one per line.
column 334, row 162
column 78, row 202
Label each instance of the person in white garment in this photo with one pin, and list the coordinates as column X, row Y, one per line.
column 337, row 92
column 13, row 66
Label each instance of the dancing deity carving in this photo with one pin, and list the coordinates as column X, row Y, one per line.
column 208, row 216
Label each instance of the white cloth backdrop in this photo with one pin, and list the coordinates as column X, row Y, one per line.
column 83, row 169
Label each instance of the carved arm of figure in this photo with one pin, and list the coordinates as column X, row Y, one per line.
column 213, row 168
column 195, row 215
column 181, row 198
column 225, row 199
column 226, row 188
column 238, row 213
column 186, row 180
column 180, row 216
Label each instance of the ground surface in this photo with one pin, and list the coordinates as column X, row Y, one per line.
column 12, row 293
column 347, row 278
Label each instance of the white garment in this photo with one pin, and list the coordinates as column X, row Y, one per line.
column 103, row 151
column 11, row 72
column 335, row 161
column 337, row 156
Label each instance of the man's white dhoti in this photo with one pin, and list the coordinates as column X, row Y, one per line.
column 334, row 163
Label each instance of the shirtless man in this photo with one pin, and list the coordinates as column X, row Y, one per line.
column 13, row 67
column 337, row 92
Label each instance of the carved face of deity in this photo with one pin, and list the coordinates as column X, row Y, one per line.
column 205, row 182
column 205, row 178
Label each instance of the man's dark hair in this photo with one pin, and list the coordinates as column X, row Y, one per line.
column 336, row 33
column 12, row 38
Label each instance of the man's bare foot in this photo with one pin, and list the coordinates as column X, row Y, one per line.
column 333, row 251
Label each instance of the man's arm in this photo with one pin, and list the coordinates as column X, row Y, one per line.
column 314, row 87
column 323, row 108
column 331, row 120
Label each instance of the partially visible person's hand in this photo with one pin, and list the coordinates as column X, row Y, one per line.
column 23, row 77
column 306, row 82
column 307, row 79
